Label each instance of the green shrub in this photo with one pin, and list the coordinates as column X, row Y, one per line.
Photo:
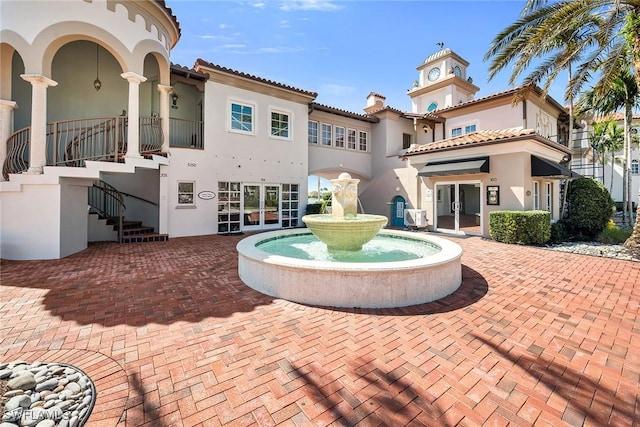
column 559, row 231
column 590, row 208
column 313, row 209
column 520, row 227
column 613, row 235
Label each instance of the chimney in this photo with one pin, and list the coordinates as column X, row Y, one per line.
column 374, row 102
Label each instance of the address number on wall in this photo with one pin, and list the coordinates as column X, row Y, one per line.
column 192, row 165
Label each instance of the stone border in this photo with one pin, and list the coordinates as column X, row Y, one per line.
column 108, row 377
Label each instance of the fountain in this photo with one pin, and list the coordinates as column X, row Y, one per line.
column 344, row 229
column 347, row 260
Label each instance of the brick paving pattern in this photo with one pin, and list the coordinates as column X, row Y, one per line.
column 172, row 337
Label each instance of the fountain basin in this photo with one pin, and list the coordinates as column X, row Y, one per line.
column 346, row 234
column 351, row 284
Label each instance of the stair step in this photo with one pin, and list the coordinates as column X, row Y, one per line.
column 126, row 231
column 152, row 237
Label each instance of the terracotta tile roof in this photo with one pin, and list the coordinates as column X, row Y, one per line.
column 614, row 116
column 480, row 137
column 169, row 12
column 343, row 113
column 202, row 63
column 410, row 115
column 188, row 72
column 377, row 94
column 504, row 93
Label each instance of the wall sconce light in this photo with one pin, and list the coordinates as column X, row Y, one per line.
column 174, row 100
column 426, row 128
column 566, row 158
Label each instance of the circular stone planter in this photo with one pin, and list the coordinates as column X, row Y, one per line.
column 348, row 284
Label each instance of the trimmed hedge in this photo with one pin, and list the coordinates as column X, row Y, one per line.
column 313, row 209
column 520, row 227
column 590, row 208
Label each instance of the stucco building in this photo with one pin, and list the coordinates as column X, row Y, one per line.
column 96, row 122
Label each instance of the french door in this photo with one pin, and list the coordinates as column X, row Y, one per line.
column 458, row 207
column 260, row 206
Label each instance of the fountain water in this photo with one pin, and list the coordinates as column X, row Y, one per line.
column 352, row 263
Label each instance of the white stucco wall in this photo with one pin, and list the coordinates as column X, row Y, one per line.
column 234, row 157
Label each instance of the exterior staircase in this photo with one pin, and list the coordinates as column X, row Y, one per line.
column 135, row 232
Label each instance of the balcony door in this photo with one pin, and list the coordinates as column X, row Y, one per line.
column 260, row 206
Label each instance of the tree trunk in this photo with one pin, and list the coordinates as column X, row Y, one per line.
column 633, row 242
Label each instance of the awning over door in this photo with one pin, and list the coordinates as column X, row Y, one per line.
column 456, row 167
column 547, row 168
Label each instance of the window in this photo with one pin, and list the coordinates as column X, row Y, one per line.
column 351, row 139
column 432, row 107
column 290, row 206
column 548, row 196
column 406, row 140
column 339, row 137
column 313, row 132
column 470, row 128
column 635, row 167
column 536, row 195
column 279, row 125
column 327, row 133
column 241, row 118
column 456, row 132
column 363, row 145
column 228, row 207
column 186, row 192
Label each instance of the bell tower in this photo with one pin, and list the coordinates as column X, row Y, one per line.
column 442, row 82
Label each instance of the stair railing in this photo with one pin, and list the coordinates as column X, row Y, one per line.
column 108, row 202
column 17, row 160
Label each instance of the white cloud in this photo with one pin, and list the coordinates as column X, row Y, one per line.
column 208, row 37
column 317, row 5
column 233, row 46
column 336, row 89
column 284, row 24
column 258, row 5
column 279, row 49
column 223, row 26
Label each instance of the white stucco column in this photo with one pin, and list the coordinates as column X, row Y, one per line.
column 133, row 133
column 6, row 127
column 165, row 91
column 38, row 138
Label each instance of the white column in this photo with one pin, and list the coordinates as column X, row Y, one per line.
column 6, row 128
column 38, row 138
column 133, row 133
column 165, row 91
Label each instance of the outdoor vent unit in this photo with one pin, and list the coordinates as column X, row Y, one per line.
column 415, row 218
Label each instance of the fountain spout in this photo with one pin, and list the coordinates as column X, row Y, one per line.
column 344, row 199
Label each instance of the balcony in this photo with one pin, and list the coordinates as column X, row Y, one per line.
column 73, row 142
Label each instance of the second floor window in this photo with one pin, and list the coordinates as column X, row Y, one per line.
column 242, row 117
column 351, row 139
column 635, row 167
column 470, row 128
column 406, row 140
column 327, row 134
column 339, row 137
column 363, row 141
column 279, row 125
column 313, row 132
column 456, row 131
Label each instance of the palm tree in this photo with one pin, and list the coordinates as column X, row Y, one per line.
column 622, row 93
column 607, row 136
column 608, row 41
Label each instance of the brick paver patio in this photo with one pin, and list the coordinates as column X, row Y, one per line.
column 172, row 337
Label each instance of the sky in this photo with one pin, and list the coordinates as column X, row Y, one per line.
column 343, row 50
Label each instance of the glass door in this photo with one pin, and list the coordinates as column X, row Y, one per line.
column 457, row 207
column 260, row 206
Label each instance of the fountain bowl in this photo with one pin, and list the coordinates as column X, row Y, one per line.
column 351, row 284
column 346, row 234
